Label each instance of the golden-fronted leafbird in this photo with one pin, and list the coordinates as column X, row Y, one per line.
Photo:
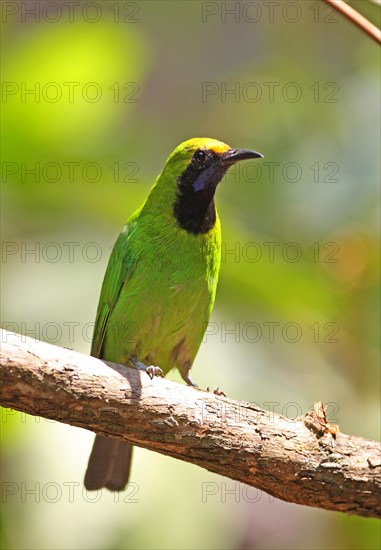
column 160, row 284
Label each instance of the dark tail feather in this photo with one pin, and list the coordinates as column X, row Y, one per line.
column 109, row 464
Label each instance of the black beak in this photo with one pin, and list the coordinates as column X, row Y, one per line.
column 234, row 155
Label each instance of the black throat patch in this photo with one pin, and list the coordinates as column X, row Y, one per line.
column 194, row 208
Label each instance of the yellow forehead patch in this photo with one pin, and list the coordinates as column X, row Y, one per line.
column 220, row 148
column 214, row 145
column 187, row 148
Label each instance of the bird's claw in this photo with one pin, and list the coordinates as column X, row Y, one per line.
column 151, row 370
column 154, row 371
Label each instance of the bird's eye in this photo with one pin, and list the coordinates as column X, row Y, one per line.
column 200, row 155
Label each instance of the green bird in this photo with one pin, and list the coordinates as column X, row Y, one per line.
column 160, row 284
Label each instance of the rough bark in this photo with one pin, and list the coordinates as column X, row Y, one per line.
column 304, row 461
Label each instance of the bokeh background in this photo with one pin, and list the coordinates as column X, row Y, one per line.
column 117, row 85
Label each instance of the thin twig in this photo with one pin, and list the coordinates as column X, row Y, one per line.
column 356, row 18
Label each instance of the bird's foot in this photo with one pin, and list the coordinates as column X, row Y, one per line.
column 188, row 379
column 217, row 391
column 154, row 371
column 151, row 370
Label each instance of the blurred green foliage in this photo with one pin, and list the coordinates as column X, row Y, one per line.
column 118, row 86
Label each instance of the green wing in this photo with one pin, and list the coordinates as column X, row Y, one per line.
column 119, row 270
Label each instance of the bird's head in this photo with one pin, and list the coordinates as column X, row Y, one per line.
column 200, row 163
column 191, row 175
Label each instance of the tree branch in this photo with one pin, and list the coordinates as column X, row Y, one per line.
column 291, row 460
column 356, row 18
